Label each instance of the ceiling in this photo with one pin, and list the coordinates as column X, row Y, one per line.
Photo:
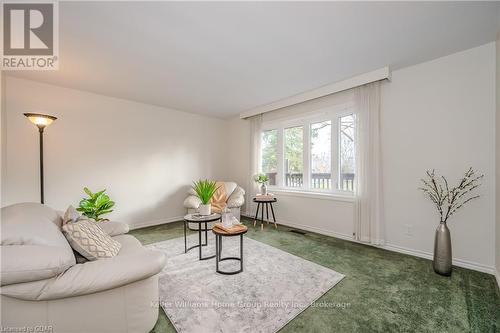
column 222, row 58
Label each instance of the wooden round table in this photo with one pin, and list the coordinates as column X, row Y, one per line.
column 219, row 235
column 261, row 202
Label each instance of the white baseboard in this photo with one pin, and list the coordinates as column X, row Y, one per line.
column 391, row 247
column 428, row 255
column 156, row 222
column 312, row 229
column 497, row 275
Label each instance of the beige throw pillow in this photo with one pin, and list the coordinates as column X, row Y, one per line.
column 71, row 215
column 87, row 238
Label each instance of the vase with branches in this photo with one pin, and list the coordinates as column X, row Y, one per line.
column 448, row 200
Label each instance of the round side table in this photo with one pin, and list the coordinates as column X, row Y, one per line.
column 260, row 204
column 219, row 235
column 201, row 220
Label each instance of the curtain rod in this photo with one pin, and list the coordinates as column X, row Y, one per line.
column 355, row 81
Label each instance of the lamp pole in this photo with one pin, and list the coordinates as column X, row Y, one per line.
column 40, row 130
column 41, row 121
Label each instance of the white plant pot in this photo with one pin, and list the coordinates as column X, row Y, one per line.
column 205, row 209
column 263, row 189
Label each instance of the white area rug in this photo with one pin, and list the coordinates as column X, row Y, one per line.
column 273, row 288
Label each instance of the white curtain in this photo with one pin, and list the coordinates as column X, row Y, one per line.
column 255, row 159
column 368, row 215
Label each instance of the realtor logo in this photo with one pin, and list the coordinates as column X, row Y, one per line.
column 30, row 36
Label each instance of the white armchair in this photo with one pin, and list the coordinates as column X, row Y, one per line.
column 42, row 285
column 235, row 199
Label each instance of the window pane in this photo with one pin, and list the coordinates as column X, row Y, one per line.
column 347, row 152
column 294, row 153
column 270, row 154
column 321, row 150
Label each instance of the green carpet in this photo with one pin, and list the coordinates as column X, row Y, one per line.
column 383, row 291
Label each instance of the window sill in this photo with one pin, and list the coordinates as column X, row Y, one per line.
column 347, row 197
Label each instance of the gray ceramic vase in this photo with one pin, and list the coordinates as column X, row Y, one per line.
column 442, row 250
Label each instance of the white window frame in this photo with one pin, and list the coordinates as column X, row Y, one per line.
column 332, row 114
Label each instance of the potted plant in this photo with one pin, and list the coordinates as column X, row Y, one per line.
column 262, row 179
column 205, row 190
column 448, row 200
column 95, row 205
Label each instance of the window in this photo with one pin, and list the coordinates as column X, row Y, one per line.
column 321, row 155
column 347, row 153
column 270, row 155
column 312, row 153
column 294, row 156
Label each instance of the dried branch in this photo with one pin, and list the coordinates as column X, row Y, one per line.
column 449, row 200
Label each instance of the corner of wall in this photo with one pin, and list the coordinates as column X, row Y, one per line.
column 497, row 158
column 3, row 135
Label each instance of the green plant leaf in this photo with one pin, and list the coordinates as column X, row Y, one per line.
column 98, row 194
column 101, row 200
column 107, row 205
column 87, row 191
column 95, row 205
column 86, row 204
column 205, row 189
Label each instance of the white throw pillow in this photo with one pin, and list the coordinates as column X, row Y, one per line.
column 87, row 238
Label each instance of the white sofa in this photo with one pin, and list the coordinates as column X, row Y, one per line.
column 235, row 200
column 42, row 285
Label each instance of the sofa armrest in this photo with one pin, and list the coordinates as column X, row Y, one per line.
column 192, row 202
column 237, row 198
column 114, row 228
column 91, row 277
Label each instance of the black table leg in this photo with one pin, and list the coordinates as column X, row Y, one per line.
column 267, row 212
column 262, row 217
column 219, row 257
column 274, row 218
column 256, row 214
column 202, row 227
column 217, row 253
column 206, row 242
column 241, row 253
column 185, row 237
column 199, row 239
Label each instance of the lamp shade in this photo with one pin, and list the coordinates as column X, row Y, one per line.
column 40, row 120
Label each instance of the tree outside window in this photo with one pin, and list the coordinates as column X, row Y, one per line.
column 294, row 156
column 270, row 154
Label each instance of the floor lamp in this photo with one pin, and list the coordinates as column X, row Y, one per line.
column 41, row 121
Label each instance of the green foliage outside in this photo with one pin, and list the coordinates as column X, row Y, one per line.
column 294, row 145
column 269, row 151
column 294, row 149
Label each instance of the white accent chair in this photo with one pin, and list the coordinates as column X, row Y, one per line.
column 235, row 199
column 42, row 285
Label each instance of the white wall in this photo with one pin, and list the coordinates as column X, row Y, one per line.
column 146, row 156
column 439, row 114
